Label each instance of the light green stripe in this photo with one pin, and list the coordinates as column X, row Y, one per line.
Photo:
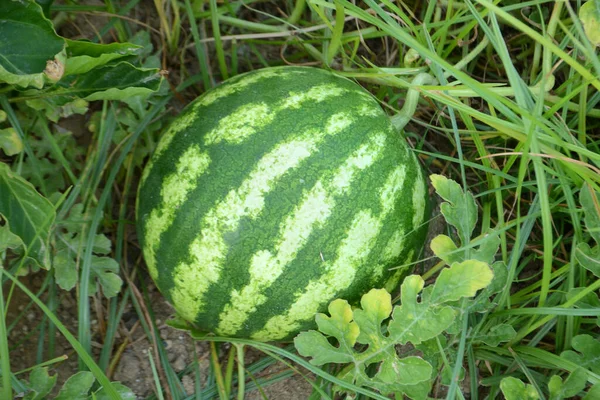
column 418, row 199
column 228, row 89
column 314, row 209
column 173, row 192
column 354, row 249
column 393, row 247
column 241, row 124
column 315, row 94
column 187, row 119
column 177, row 126
column 351, row 255
column 207, row 252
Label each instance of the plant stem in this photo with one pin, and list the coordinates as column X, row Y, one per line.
column 241, row 377
column 412, row 100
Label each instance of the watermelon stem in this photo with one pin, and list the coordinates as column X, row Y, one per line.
column 412, row 100
column 241, row 370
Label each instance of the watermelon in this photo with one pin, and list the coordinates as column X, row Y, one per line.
column 273, row 194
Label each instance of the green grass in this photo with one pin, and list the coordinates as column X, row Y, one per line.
column 507, row 106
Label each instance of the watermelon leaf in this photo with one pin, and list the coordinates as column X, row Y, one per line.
column 460, row 209
column 40, row 383
column 496, row 335
column 590, row 201
column 76, row 387
column 570, row 387
column 515, row 389
column 71, row 242
column 10, row 142
column 593, row 393
column 589, row 14
column 412, row 321
column 586, row 354
column 589, row 257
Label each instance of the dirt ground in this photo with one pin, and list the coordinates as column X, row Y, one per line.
column 133, row 368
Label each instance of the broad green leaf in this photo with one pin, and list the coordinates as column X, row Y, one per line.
column 574, row 384
column 83, row 56
column 29, row 214
column 40, row 383
column 65, row 270
column 77, row 387
column 404, row 371
column 376, row 307
column 460, row 209
column 105, row 271
column 113, row 82
column 593, row 393
column 124, row 392
column 419, row 391
column 496, row 335
column 515, row 389
column 500, row 278
column 589, row 14
column 416, row 322
column 8, row 240
column 314, row 344
column 590, row 201
column 10, row 141
column 29, row 46
column 55, row 108
column 412, row 321
column 340, row 323
column 487, row 249
column 461, row 280
column 101, row 244
column 590, row 300
column 72, row 244
column 444, row 248
column 586, row 354
column 588, row 258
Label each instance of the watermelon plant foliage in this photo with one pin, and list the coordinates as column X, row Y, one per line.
column 77, row 387
column 367, row 339
column 413, row 322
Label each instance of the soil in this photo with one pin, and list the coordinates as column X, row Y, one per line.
column 133, row 368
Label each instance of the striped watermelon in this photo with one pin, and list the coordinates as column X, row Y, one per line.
column 273, row 194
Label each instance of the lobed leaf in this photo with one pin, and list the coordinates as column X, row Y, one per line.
column 461, row 280
column 496, row 335
column 40, row 383
column 588, row 258
column 586, row 354
column 589, row 14
column 412, row 321
column 77, row 387
column 515, row 389
column 460, row 209
column 10, row 142
column 590, row 201
column 574, row 384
